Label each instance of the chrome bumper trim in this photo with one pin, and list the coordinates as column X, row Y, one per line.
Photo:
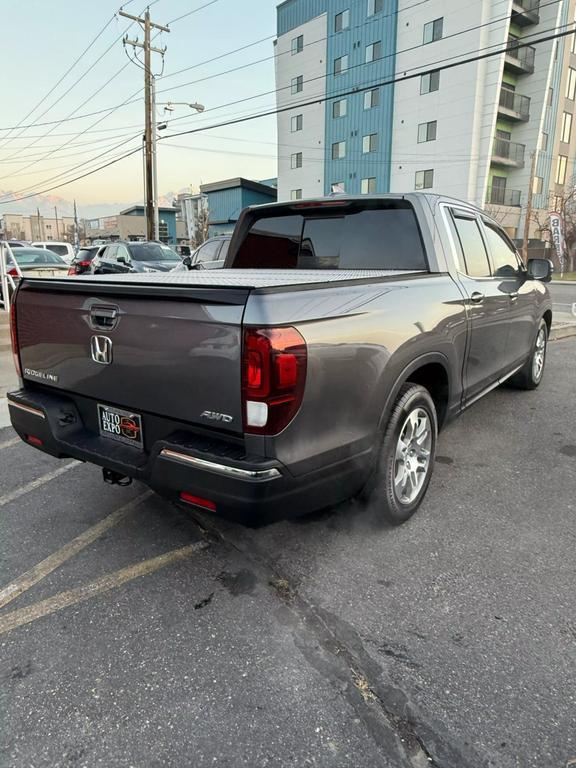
column 223, row 469
column 27, row 408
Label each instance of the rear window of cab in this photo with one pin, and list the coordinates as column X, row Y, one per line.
column 381, row 236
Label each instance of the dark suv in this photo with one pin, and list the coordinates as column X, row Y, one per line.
column 126, row 256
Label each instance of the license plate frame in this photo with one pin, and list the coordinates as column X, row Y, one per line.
column 120, row 425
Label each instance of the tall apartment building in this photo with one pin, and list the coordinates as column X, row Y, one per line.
column 467, row 131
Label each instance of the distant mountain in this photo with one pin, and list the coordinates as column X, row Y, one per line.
column 46, row 204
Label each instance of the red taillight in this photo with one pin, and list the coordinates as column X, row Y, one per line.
column 273, row 378
column 198, row 501
column 75, row 268
column 13, row 272
column 14, row 338
column 33, row 440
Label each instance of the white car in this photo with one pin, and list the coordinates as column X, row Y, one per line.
column 61, row 248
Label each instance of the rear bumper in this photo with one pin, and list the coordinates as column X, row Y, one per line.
column 244, row 488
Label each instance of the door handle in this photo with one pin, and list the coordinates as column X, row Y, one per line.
column 513, row 296
column 477, row 297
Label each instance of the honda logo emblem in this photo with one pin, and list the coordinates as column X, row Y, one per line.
column 101, row 349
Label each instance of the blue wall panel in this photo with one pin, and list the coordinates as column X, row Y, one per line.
column 358, row 122
column 293, row 13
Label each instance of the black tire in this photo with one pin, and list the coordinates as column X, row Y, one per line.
column 380, row 491
column 527, row 377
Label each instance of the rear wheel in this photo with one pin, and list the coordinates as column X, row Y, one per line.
column 530, row 375
column 406, row 459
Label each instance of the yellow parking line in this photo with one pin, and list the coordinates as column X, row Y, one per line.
column 62, row 600
column 53, row 561
column 36, row 483
column 10, row 443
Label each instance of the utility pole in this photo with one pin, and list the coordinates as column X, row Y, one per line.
column 150, row 108
column 528, row 210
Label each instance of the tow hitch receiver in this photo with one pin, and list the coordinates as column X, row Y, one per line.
column 115, row 478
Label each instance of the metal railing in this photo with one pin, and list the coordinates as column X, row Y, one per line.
column 7, row 284
column 522, row 56
column 511, row 151
column 531, row 6
column 503, row 196
column 515, row 102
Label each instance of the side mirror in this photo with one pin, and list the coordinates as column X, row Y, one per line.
column 540, row 269
column 122, row 260
column 187, row 261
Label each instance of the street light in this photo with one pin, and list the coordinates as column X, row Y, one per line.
column 168, row 107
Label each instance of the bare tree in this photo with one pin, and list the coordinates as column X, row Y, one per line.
column 565, row 205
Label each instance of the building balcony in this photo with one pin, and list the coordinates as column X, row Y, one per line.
column 508, row 153
column 525, row 12
column 519, row 59
column 502, row 196
column 513, row 106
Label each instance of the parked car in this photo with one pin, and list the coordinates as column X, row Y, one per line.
column 82, row 261
column 35, row 262
column 183, row 250
column 17, row 244
column 63, row 249
column 318, row 367
column 210, row 255
column 125, row 256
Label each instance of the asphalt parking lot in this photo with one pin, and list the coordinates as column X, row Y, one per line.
column 132, row 634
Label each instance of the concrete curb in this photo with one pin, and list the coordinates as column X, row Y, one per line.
column 562, row 332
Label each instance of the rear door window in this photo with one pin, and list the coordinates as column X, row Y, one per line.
column 503, row 253
column 384, row 236
column 208, row 252
column 475, row 257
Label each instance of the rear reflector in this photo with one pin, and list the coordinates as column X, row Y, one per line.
column 34, row 440
column 198, row 501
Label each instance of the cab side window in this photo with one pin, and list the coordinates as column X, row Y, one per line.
column 474, row 256
column 503, row 253
column 121, row 250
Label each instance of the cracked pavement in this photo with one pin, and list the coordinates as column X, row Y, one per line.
column 324, row 641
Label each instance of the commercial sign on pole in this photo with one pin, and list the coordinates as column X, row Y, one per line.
column 557, row 234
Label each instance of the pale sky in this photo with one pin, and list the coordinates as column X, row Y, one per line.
column 42, row 38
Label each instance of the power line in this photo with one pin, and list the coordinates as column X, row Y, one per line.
column 360, row 89
column 394, row 54
column 194, row 10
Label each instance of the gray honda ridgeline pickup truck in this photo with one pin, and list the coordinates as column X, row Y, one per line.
column 319, row 365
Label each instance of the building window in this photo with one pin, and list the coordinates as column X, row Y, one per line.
column 430, row 81
column 296, row 160
column 550, row 97
column 337, row 188
column 338, row 150
column 341, row 21
column 340, row 65
column 296, row 123
column 433, row 31
column 339, row 108
column 571, row 84
column 427, row 131
column 544, row 142
column 297, row 84
column 372, row 98
column 373, row 52
column 297, row 44
column 566, row 127
column 375, row 6
column 296, row 194
column 370, row 143
column 538, row 182
column 368, row 186
column 561, row 169
column 424, row 179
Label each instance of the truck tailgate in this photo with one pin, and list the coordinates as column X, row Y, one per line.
column 175, row 355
